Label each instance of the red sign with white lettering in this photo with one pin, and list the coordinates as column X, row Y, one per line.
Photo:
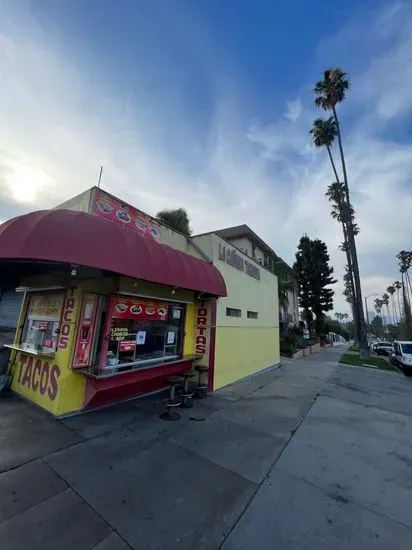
column 127, row 345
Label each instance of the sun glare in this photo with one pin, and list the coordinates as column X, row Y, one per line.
column 25, row 183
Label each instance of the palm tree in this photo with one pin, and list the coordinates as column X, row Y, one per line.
column 329, row 92
column 385, row 302
column 378, row 307
column 335, row 194
column 404, row 262
column 324, row 133
column 391, row 291
column 398, row 286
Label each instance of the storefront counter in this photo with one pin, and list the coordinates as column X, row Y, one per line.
column 94, row 372
column 107, row 388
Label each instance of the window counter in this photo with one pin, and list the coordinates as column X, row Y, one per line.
column 127, row 368
column 44, row 352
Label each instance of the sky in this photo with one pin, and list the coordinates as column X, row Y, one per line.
column 207, row 105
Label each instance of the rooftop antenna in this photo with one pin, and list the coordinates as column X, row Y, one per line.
column 100, row 176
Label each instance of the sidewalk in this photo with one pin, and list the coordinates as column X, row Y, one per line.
column 267, row 462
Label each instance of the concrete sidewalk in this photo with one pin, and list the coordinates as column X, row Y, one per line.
column 310, row 455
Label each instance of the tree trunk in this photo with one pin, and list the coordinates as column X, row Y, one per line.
column 363, row 339
column 399, row 305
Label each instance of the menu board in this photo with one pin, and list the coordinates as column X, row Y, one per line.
column 138, row 309
column 45, row 307
column 109, row 207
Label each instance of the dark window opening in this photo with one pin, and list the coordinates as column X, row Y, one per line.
column 252, row 315
column 232, row 312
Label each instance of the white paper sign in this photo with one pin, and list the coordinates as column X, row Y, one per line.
column 140, row 337
column 176, row 314
column 170, row 337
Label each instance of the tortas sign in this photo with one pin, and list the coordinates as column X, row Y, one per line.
column 233, row 258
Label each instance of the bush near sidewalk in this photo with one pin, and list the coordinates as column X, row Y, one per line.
column 378, row 362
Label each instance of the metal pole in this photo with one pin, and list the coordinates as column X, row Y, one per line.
column 100, row 176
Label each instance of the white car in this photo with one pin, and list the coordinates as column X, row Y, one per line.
column 383, row 348
column 402, row 355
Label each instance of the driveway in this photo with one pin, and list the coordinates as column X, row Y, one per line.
column 310, row 455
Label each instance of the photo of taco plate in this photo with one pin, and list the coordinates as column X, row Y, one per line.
column 140, row 225
column 123, row 216
column 162, row 311
column 150, row 310
column 136, row 310
column 104, row 206
column 121, row 308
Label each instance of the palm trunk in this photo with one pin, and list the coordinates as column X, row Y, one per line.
column 348, row 256
column 363, row 340
column 409, row 285
column 399, row 305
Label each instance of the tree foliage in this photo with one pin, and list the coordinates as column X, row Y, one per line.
column 176, row 219
column 314, row 277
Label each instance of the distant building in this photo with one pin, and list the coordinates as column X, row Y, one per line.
column 248, row 242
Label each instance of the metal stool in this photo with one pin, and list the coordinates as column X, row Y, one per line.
column 201, row 388
column 169, row 413
column 187, row 395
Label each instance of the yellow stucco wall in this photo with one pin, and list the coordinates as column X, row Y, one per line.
column 244, row 346
column 242, row 351
column 64, row 390
column 190, row 321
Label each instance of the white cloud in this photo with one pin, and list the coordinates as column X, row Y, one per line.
column 61, row 127
column 293, row 109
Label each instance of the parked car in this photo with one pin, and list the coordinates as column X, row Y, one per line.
column 402, row 355
column 383, row 348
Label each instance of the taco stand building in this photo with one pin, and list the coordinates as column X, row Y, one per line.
column 114, row 302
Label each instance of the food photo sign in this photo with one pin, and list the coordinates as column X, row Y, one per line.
column 129, row 308
column 106, row 206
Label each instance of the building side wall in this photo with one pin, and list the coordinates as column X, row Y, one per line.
column 79, row 203
column 244, row 345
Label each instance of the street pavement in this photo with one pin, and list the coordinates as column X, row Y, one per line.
column 310, row 455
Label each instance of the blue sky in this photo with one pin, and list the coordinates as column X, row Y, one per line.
column 207, row 105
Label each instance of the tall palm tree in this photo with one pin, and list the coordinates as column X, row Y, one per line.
column 391, row 291
column 385, row 302
column 324, row 133
column 404, row 262
column 340, row 212
column 329, row 92
column 398, row 286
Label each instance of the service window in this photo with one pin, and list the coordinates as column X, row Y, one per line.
column 41, row 326
column 144, row 331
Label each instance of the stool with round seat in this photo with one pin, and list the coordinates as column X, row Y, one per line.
column 201, row 388
column 187, row 395
column 172, row 402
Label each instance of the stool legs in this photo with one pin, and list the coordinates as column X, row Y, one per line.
column 187, row 396
column 170, row 413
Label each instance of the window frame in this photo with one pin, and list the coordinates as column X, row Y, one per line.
column 229, row 311
column 57, row 323
column 106, row 333
column 252, row 314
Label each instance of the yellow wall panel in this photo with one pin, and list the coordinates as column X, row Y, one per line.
column 241, row 351
column 190, row 327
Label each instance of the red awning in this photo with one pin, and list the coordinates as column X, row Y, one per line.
column 88, row 240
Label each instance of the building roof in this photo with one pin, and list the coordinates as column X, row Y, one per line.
column 245, row 231
column 66, row 236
